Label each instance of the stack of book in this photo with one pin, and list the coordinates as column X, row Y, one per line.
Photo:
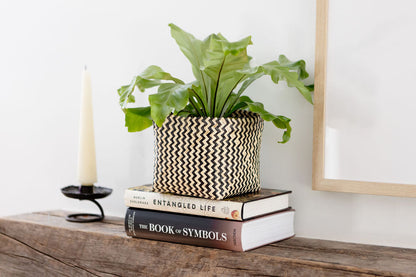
column 239, row 223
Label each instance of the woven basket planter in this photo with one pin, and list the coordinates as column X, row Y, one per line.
column 212, row 158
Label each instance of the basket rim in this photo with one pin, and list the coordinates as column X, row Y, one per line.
column 246, row 115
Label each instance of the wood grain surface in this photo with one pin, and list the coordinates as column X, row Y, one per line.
column 44, row 244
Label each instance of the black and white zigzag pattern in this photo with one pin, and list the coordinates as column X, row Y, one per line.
column 206, row 157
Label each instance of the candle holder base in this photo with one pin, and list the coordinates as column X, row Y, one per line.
column 86, row 193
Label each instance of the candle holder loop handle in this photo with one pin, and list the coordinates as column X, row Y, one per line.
column 86, row 217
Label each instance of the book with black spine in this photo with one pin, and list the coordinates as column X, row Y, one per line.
column 239, row 208
column 208, row 231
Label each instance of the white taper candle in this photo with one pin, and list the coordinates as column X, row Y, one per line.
column 87, row 170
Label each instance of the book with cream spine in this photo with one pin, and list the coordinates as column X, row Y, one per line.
column 238, row 208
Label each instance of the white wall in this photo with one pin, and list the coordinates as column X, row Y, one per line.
column 44, row 46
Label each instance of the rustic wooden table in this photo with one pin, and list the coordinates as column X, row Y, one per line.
column 44, row 244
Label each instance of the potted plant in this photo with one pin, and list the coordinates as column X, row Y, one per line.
column 207, row 133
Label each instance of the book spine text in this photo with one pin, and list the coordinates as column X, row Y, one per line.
column 186, row 229
column 183, row 204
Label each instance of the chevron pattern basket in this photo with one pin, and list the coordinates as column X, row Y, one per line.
column 212, row 158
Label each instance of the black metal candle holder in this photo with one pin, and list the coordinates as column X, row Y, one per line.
column 86, row 193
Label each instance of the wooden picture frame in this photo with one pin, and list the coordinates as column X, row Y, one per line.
column 320, row 181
